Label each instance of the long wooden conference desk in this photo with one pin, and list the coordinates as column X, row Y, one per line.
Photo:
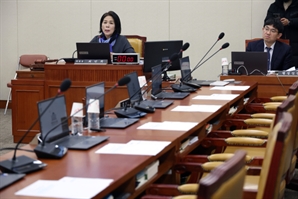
column 33, row 86
column 268, row 86
column 124, row 168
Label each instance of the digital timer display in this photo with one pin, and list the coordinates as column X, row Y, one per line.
column 125, row 58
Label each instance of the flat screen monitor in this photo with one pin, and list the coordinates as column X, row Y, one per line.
column 157, row 52
column 94, row 51
column 250, row 63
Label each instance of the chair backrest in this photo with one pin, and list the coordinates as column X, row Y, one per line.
column 137, row 42
column 226, row 180
column 28, row 59
column 274, row 167
column 286, row 41
column 294, row 91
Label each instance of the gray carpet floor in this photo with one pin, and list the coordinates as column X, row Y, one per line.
column 6, row 141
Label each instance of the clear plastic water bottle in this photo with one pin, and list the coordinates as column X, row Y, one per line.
column 225, row 66
column 93, row 115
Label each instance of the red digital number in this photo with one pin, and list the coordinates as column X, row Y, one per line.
column 124, row 58
column 129, row 59
column 121, row 58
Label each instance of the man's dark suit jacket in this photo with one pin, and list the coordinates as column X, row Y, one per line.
column 281, row 57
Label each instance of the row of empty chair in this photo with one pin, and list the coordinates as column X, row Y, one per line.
column 270, row 156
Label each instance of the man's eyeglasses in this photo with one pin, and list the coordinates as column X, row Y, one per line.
column 273, row 30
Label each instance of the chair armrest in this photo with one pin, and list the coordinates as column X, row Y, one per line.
column 250, row 161
column 246, row 123
column 278, row 98
column 220, row 134
column 233, row 141
column 263, row 115
column 196, row 167
column 156, row 197
column 246, row 141
column 163, row 189
column 250, row 133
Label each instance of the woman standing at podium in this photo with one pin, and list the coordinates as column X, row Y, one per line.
column 110, row 30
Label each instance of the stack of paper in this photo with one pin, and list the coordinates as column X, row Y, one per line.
column 134, row 147
column 197, row 108
column 168, row 126
column 66, row 187
column 216, row 97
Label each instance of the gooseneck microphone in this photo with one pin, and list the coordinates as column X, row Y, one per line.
column 138, row 110
column 54, row 151
column 224, row 46
column 24, row 164
column 184, row 48
column 180, row 87
column 220, row 36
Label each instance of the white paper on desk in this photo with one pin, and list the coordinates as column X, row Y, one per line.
column 168, row 126
column 67, row 187
column 197, row 108
column 230, row 88
column 135, row 147
column 216, row 97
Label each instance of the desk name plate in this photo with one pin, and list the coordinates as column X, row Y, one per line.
column 288, row 73
column 91, row 61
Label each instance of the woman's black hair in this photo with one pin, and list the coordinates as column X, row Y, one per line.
column 116, row 21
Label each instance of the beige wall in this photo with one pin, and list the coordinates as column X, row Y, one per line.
column 52, row 27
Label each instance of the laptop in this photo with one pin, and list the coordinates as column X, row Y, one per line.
column 157, row 92
column 135, row 94
column 56, row 116
column 7, row 179
column 186, row 75
column 95, row 91
column 94, row 51
column 254, row 62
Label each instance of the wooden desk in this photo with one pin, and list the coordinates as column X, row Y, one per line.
column 268, row 86
column 33, row 86
column 123, row 168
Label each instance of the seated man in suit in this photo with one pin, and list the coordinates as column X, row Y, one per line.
column 279, row 53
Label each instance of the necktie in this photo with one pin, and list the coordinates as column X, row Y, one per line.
column 268, row 58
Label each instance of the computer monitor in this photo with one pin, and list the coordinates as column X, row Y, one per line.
column 249, row 63
column 159, row 52
column 93, row 51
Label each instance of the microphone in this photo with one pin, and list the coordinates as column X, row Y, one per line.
column 176, row 87
column 220, row 36
column 54, row 151
column 138, row 110
column 184, row 48
column 224, row 46
column 24, row 164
